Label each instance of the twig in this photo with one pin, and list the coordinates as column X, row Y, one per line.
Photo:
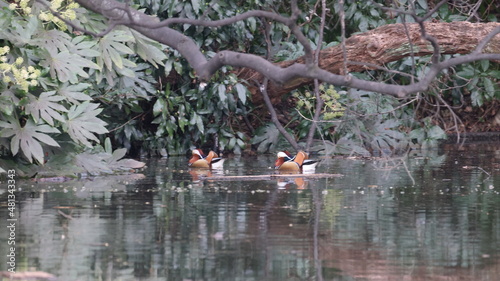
column 319, row 100
column 274, row 116
column 342, row 26
column 407, row 170
column 412, row 52
column 122, row 125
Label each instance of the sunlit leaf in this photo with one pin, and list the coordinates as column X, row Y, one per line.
column 108, row 146
column 252, row 23
column 92, row 163
column 178, row 66
column 198, row 121
column 8, row 101
column 476, row 98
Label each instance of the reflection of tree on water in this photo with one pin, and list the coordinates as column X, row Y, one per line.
column 370, row 223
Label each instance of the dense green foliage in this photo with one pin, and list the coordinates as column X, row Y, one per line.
column 63, row 92
column 58, row 86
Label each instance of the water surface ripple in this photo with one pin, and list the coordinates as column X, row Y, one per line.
column 426, row 217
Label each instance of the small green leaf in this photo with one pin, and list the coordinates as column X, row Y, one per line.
column 159, row 107
column 467, row 72
column 435, row 133
column 232, row 143
column 118, row 154
column 489, row 87
column 178, row 67
column 199, row 124
column 242, row 92
column 252, row 24
column 423, row 4
column 221, row 89
column 107, row 146
column 196, row 5
column 476, row 98
column 485, row 64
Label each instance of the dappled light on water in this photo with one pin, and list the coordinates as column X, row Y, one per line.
column 433, row 216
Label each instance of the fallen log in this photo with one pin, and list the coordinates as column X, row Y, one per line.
column 270, row 177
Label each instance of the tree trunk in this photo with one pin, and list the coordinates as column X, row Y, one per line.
column 385, row 44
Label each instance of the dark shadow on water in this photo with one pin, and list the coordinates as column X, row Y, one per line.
column 432, row 216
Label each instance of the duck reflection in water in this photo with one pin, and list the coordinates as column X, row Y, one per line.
column 298, row 183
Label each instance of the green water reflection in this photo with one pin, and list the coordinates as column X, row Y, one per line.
column 422, row 218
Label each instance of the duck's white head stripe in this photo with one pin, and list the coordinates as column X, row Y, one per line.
column 197, row 152
column 282, row 154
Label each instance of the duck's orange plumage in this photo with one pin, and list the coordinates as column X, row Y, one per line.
column 200, row 160
column 285, row 161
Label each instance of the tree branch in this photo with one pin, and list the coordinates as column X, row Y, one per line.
column 373, row 49
column 319, row 99
column 370, row 46
column 274, row 116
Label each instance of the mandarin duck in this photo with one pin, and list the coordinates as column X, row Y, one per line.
column 299, row 162
column 209, row 161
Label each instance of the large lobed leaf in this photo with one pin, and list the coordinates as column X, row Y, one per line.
column 140, row 84
column 113, row 48
column 46, row 106
column 19, row 31
column 148, row 49
column 67, row 66
column 54, row 41
column 82, row 123
column 28, row 138
column 74, row 93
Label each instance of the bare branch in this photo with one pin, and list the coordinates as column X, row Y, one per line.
column 342, row 25
column 486, row 40
column 274, row 116
column 319, row 99
column 304, row 69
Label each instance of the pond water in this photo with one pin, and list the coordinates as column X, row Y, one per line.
column 426, row 217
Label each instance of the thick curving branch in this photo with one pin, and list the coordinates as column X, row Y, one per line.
column 377, row 47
